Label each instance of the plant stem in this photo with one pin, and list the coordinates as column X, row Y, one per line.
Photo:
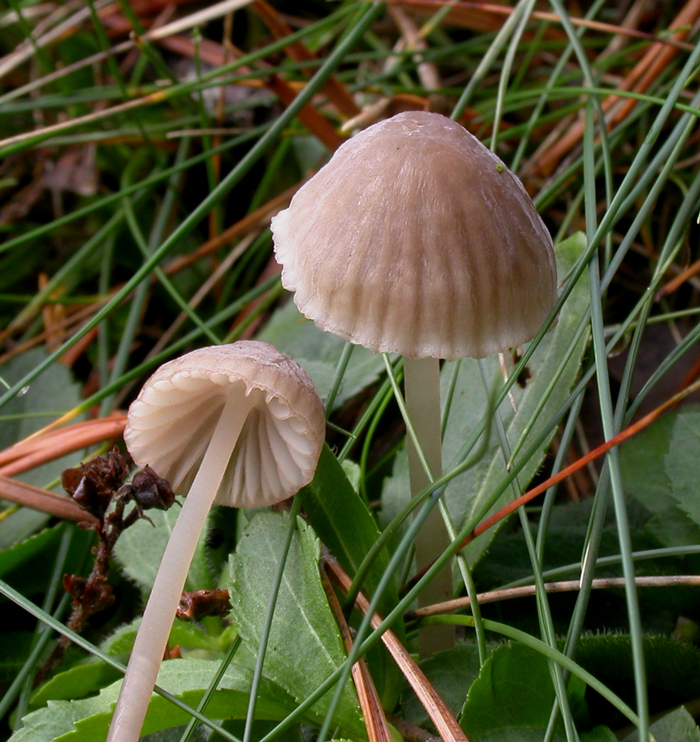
column 422, row 389
column 153, row 633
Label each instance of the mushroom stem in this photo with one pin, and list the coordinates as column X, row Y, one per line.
column 422, row 391
column 152, row 637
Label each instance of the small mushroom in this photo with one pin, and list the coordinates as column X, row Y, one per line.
column 416, row 239
column 239, row 425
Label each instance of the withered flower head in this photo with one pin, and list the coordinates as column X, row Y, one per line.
column 93, row 485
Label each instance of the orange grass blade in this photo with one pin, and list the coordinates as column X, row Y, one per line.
column 675, row 283
column 51, row 445
column 624, row 435
column 657, row 57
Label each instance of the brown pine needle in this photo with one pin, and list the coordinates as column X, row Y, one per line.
column 375, row 720
column 438, row 711
column 52, row 444
column 60, row 506
column 337, row 93
column 505, row 10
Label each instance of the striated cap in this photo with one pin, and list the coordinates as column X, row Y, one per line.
column 415, row 238
column 171, row 422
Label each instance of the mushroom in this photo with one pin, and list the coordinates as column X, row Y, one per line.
column 239, row 425
column 415, row 238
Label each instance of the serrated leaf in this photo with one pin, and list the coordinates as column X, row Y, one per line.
column 87, row 720
column 660, row 469
column 678, row 726
column 468, row 492
column 186, row 635
column 512, row 698
column 319, row 352
column 673, row 667
column 304, row 647
column 140, row 549
column 75, row 683
column 20, row 525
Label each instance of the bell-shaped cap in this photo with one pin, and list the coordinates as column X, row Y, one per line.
column 415, row 238
column 171, row 422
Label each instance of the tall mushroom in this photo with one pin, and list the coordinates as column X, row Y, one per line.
column 238, row 425
column 416, row 239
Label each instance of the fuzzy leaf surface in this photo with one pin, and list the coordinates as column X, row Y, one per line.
column 88, row 720
column 304, row 647
column 512, row 698
column 661, row 468
column 140, row 549
column 678, row 726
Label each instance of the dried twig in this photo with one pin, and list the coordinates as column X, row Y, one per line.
column 98, row 489
column 563, row 586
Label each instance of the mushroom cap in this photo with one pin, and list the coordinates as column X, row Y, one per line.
column 415, row 238
column 171, row 422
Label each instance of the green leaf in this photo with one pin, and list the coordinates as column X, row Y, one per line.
column 566, row 538
column 140, row 549
column 599, row 734
column 186, row 635
column 468, row 492
column 451, row 672
column 660, row 469
column 512, row 698
column 678, row 726
column 345, row 525
column 75, row 683
column 319, row 352
column 304, row 646
column 14, row 648
column 673, row 667
column 87, row 720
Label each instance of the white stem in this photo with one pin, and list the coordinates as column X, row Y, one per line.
column 422, row 391
column 157, row 621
